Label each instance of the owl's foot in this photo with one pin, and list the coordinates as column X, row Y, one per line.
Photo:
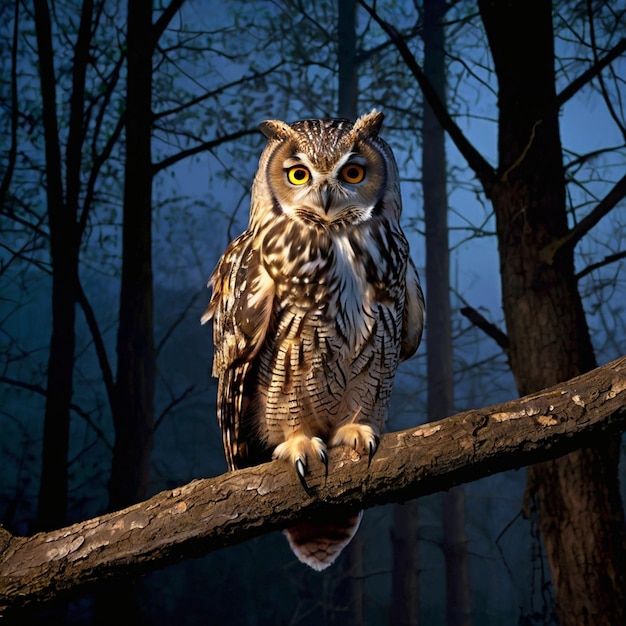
column 297, row 448
column 361, row 437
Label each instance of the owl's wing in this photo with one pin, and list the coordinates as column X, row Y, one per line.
column 241, row 308
column 413, row 316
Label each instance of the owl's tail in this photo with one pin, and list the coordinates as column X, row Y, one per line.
column 319, row 541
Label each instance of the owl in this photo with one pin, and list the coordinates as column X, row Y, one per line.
column 313, row 306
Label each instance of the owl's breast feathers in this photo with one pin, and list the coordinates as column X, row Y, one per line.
column 307, row 321
column 337, row 275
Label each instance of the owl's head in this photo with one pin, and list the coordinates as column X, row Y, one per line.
column 326, row 171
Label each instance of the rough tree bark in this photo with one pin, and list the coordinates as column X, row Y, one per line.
column 580, row 510
column 213, row 513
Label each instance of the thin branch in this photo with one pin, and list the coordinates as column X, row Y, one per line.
column 41, row 391
column 603, row 89
column 217, row 512
column 215, row 92
column 617, row 193
column 21, row 254
column 364, row 55
column 481, row 167
column 99, row 159
column 489, row 328
column 164, row 20
column 202, row 147
column 581, row 159
column 77, row 121
column 590, row 73
column 171, row 405
column 98, row 341
column 607, row 260
column 181, row 318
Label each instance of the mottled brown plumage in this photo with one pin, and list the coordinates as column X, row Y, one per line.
column 313, row 306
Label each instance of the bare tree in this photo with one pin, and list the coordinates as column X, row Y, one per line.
column 581, row 515
column 578, row 497
column 65, row 238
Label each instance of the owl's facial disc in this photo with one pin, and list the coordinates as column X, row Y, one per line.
column 334, row 194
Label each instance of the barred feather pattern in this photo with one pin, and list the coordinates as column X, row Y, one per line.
column 313, row 307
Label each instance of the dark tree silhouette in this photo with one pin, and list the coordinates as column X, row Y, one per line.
column 65, row 235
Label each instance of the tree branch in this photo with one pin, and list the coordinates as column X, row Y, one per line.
column 489, row 328
column 215, row 92
column 603, row 89
column 39, row 390
column 99, row 346
column 481, row 167
column 574, row 235
column 611, row 258
column 216, row 512
column 164, row 20
column 202, row 147
column 590, row 73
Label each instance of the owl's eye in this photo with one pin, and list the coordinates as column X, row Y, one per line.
column 353, row 173
column 298, row 175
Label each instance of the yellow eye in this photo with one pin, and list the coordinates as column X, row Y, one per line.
column 298, row 175
column 353, row 173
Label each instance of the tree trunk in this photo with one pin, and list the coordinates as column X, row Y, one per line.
column 439, row 352
column 133, row 414
column 347, row 602
column 133, row 418
column 405, row 570
column 581, row 517
column 64, row 253
column 458, row 604
column 346, row 53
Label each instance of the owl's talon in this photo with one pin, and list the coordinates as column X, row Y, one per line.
column 324, row 460
column 362, row 437
column 297, row 449
column 300, row 468
column 324, row 457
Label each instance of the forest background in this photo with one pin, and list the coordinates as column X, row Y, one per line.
column 129, row 142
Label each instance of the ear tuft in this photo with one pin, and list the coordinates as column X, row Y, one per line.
column 275, row 129
column 369, row 124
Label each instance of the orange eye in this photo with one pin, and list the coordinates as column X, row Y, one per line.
column 298, row 175
column 353, row 173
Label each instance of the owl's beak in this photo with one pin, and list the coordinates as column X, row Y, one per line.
column 326, row 198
